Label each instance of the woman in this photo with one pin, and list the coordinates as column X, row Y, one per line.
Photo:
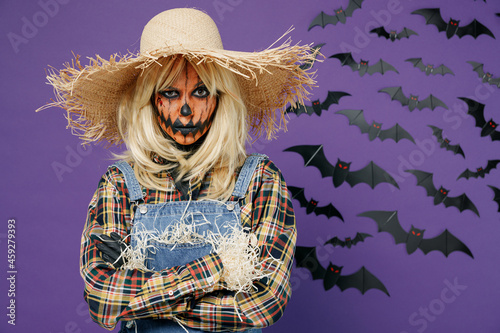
column 186, row 232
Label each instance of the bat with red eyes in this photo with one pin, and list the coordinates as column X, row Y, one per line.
column 486, row 77
column 315, row 51
column 430, row 69
column 363, row 280
column 445, row 143
column 348, row 242
column 476, row 110
column 445, row 242
column 333, row 97
column 462, row 202
column 412, row 102
column 371, row 174
column 362, row 67
column 312, row 205
column 374, row 130
column 433, row 16
column 393, row 34
column 496, row 196
column 340, row 15
column 480, row 172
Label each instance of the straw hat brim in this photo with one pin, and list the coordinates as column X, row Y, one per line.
column 269, row 80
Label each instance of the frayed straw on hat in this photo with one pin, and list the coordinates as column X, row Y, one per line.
column 269, row 80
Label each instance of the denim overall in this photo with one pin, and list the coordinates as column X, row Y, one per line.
column 203, row 216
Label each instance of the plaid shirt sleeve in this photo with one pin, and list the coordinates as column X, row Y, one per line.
column 128, row 294
column 191, row 293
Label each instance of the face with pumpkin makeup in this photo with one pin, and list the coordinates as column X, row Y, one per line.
column 185, row 108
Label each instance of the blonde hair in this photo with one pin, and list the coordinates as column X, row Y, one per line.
column 223, row 149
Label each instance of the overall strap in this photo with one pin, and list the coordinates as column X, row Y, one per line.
column 134, row 188
column 246, row 173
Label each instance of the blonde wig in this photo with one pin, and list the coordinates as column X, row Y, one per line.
column 223, row 149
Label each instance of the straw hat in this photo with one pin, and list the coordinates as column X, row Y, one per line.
column 269, row 79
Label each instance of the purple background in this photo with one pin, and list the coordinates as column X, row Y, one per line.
column 49, row 206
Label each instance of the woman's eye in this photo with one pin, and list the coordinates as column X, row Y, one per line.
column 201, row 92
column 170, row 93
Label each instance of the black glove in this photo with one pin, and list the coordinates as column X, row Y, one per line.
column 111, row 248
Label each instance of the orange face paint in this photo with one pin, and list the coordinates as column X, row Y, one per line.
column 185, row 108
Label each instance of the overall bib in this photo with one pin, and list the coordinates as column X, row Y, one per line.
column 203, row 216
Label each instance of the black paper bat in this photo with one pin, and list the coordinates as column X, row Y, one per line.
column 333, row 97
column 340, row 15
column 360, row 237
column 312, row 205
column 315, row 50
column 496, row 196
column 476, row 110
column 374, row 130
column 430, row 69
column 397, row 94
column 486, row 77
column 462, row 202
column 362, row 280
column 362, row 67
column 393, row 34
column 371, row 174
column 445, row 242
column 433, row 16
column 445, row 143
column 480, row 172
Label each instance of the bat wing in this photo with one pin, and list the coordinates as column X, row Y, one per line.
column 388, row 221
column 396, row 133
column 328, row 210
column 432, row 16
column 352, row 6
column 300, row 109
column 381, row 67
column 396, row 93
column 424, row 179
column 468, row 174
column 356, row 118
column 381, row 32
column 495, row 136
column 474, row 29
column 431, row 102
column 298, row 193
column 446, row 243
column 442, row 69
column 346, row 59
column 462, row 202
column 417, row 62
column 314, row 155
column 335, row 241
column 477, row 67
column 496, row 196
column 362, row 280
column 315, row 51
column 306, row 257
column 495, row 82
column 322, row 20
column 476, row 110
column 406, row 33
column 372, row 175
column 492, row 164
column 437, row 132
column 456, row 149
column 333, row 97
column 360, row 237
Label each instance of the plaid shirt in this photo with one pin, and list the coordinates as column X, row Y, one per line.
column 191, row 294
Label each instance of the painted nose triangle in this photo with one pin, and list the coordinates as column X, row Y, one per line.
column 186, row 110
